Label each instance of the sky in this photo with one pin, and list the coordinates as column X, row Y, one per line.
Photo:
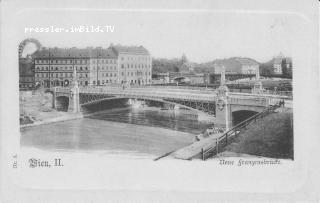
column 201, row 35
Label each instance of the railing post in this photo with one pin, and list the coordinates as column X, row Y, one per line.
column 217, row 145
column 202, row 153
column 226, row 138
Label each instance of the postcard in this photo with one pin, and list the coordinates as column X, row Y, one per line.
column 159, row 101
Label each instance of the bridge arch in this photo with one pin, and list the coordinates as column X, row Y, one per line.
column 62, row 103
column 181, row 79
column 149, row 99
column 241, row 115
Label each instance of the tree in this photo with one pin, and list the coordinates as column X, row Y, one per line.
column 184, row 59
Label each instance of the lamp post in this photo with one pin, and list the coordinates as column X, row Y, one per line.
column 49, row 70
column 97, row 72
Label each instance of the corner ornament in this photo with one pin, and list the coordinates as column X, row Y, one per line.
column 221, row 104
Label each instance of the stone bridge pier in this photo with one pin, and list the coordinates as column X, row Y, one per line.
column 71, row 94
column 227, row 106
column 74, row 100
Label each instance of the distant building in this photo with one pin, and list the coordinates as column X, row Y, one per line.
column 95, row 66
column 199, row 78
column 278, row 61
column 160, row 78
column 236, row 65
column 26, row 73
column 191, row 78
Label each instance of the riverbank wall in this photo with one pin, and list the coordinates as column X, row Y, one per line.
column 66, row 117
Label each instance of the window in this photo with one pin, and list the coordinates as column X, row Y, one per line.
column 122, row 66
column 106, row 74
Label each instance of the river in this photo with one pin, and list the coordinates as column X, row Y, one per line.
column 121, row 127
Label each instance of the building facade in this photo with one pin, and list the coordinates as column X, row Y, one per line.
column 280, row 61
column 236, row 65
column 26, row 73
column 94, row 66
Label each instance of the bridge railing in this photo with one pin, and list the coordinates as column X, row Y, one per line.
column 227, row 137
column 172, row 87
column 261, row 95
column 155, row 94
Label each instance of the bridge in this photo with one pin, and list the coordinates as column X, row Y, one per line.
column 222, row 105
column 226, row 107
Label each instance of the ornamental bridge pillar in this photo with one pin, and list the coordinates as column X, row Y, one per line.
column 223, row 108
column 74, row 98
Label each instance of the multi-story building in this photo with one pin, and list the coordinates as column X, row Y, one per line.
column 26, row 73
column 236, row 65
column 134, row 64
column 280, row 61
column 94, row 66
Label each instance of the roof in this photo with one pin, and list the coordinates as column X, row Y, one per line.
column 130, row 49
column 233, row 65
column 89, row 52
column 278, row 60
column 74, row 53
column 247, row 61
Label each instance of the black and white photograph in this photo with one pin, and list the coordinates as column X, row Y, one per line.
column 131, row 95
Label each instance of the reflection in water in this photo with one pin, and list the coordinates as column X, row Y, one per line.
column 180, row 120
